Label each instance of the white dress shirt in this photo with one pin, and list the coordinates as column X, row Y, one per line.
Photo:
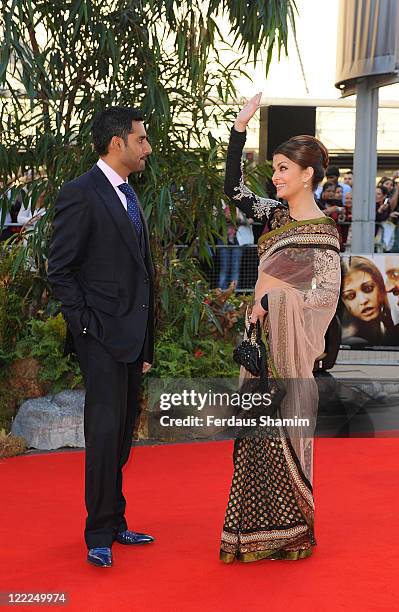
column 114, row 179
column 25, row 214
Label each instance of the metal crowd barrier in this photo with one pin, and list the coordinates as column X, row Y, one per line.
column 249, row 262
column 246, row 282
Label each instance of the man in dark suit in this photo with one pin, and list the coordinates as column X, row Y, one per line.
column 100, row 269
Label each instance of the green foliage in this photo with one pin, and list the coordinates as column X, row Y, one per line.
column 61, row 62
column 10, row 322
column 41, row 339
column 204, row 327
column 8, row 402
column 14, row 300
column 209, row 358
column 44, row 340
column 183, row 292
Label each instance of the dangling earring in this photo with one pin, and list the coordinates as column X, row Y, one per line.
column 305, row 185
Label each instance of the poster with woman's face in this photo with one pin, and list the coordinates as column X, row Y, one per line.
column 369, row 304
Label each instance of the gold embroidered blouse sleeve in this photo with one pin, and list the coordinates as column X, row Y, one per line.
column 254, row 206
column 326, row 280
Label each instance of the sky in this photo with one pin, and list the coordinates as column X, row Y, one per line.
column 316, row 24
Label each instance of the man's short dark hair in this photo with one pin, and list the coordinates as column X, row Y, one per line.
column 332, row 171
column 113, row 121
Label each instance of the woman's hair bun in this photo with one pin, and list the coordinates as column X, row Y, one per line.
column 307, row 151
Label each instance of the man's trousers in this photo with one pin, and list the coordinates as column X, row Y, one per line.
column 111, row 409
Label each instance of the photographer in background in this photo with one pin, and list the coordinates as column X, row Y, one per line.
column 332, row 175
column 348, row 178
column 331, row 205
column 384, row 227
column 392, row 189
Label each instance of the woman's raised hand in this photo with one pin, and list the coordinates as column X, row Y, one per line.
column 247, row 112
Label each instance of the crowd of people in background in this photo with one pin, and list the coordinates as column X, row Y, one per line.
column 239, row 234
column 334, row 198
column 387, row 215
column 20, row 215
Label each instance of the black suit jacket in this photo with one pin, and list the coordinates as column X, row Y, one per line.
column 98, row 271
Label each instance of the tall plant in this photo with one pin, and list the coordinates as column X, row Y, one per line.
column 63, row 61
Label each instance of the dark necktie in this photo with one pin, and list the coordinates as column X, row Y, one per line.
column 132, row 206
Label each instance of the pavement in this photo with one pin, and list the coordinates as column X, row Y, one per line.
column 361, row 398
column 366, row 371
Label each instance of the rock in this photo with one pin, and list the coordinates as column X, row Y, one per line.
column 51, row 422
column 55, row 421
column 73, row 399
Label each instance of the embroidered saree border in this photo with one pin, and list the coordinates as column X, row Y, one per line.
column 323, row 235
column 295, row 241
column 256, row 536
column 288, row 555
column 287, row 542
column 297, row 475
column 293, row 548
column 295, row 224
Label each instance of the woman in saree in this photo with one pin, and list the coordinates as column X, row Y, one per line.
column 270, row 511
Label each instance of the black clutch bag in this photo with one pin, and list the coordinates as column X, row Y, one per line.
column 251, row 353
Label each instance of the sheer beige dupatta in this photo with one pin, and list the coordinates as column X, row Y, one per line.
column 302, row 285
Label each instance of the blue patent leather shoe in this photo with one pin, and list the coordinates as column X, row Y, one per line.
column 132, row 537
column 102, row 557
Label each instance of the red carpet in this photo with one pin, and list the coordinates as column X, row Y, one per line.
column 178, row 493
